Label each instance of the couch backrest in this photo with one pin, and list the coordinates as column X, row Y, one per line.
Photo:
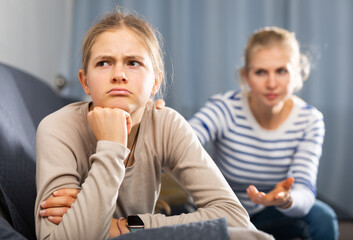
column 24, row 101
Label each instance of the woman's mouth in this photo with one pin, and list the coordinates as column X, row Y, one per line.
column 271, row 96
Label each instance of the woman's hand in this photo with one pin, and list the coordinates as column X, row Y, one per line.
column 279, row 196
column 160, row 104
column 111, row 124
column 55, row 207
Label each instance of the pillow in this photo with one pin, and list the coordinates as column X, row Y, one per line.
column 206, row 230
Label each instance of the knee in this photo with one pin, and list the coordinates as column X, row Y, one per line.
column 324, row 217
column 322, row 211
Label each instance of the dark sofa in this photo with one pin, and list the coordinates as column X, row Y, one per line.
column 24, row 101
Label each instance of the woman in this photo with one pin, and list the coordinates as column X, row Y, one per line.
column 268, row 142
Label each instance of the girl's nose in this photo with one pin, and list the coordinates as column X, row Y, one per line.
column 119, row 76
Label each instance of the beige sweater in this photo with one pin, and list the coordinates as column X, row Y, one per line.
column 68, row 156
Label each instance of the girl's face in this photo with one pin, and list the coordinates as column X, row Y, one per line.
column 120, row 72
column 270, row 76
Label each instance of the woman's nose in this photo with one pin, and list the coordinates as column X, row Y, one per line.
column 271, row 81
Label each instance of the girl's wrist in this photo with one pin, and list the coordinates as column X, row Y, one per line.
column 122, row 226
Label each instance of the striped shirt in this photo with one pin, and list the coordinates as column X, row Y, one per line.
column 248, row 154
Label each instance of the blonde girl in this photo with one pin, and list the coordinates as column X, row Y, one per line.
column 100, row 162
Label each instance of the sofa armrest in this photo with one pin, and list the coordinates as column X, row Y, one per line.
column 7, row 232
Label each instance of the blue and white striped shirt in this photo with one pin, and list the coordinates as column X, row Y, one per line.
column 248, row 154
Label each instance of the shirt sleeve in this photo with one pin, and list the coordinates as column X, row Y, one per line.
column 209, row 121
column 57, row 167
column 305, row 167
column 185, row 158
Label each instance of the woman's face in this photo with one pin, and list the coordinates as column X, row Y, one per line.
column 270, row 76
column 120, row 72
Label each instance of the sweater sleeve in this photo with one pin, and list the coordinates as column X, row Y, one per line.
column 305, row 166
column 57, row 167
column 185, row 158
column 209, row 120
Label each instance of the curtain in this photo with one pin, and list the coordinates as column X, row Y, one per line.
column 204, row 42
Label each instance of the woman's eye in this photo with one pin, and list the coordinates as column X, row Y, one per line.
column 102, row 64
column 282, row 71
column 134, row 63
column 260, row 72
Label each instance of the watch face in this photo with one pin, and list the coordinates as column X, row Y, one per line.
column 134, row 221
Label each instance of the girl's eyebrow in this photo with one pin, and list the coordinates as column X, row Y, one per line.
column 137, row 57
column 100, row 57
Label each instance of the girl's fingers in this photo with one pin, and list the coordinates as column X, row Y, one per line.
column 63, row 201
column 55, row 212
column 111, row 124
column 55, row 220
column 70, row 192
column 128, row 122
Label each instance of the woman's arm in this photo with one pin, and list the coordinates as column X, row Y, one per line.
column 305, row 166
column 209, row 121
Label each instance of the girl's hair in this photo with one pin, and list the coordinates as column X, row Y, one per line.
column 115, row 20
column 272, row 37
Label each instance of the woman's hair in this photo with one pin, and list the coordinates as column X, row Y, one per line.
column 118, row 19
column 272, row 37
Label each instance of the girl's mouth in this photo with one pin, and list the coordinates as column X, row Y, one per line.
column 119, row 92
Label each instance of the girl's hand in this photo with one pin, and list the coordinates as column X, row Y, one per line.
column 277, row 197
column 111, row 124
column 55, row 207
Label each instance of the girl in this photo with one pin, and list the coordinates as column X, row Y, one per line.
column 112, row 150
column 268, row 141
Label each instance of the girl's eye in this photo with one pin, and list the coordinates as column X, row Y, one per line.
column 282, row 71
column 102, row 64
column 134, row 63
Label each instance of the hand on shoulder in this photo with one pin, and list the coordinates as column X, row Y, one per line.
column 160, row 103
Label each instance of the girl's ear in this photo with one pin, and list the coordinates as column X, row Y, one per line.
column 83, row 80
column 157, row 83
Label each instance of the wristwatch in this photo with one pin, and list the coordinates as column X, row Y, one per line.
column 134, row 223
